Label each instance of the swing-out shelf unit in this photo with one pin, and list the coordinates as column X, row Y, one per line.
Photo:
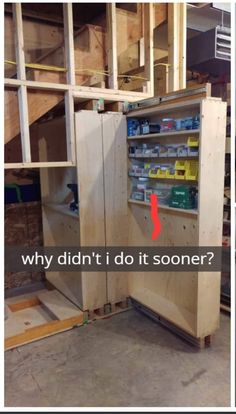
column 189, row 301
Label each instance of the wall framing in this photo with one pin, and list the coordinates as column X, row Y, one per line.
column 74, row 93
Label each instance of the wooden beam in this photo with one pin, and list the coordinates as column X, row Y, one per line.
column 24, row 123
column 19, row 40
column 148, row 46
column 173, row 56
column 112, row 45
column 70, row 126
column 83, row 92
column 115, row 107
column 42, row 331
column 24, row 304
column 69, row 42
column 40, row 16
column 177, row 46
column 182, row 44
column 21, row 74
column 92, row 105
column 17, row 165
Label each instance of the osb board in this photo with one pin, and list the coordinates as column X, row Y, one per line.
column 38, row 316
column 23, row 227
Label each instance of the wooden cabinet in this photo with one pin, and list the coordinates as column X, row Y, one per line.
column 108, row 216
column 101, row 175
column 191, row 301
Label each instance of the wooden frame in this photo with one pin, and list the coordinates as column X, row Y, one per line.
column 148, row 46
column 71, row 91
column 112, row 45
column 22, row 91
column 38, row 315
column 74, row 92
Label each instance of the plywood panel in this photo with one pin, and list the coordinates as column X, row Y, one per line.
column 58, row 305
column 212, row 156
column 115, row 182
column 91, row 195
column 177, row 230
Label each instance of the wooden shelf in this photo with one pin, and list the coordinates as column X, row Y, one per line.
column 63, row 209
column 164, row 134
column 171, row 180
column 163, row 108
column 164, row 158
column 165, row 208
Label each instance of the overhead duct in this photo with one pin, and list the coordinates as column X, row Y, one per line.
column 210, row 51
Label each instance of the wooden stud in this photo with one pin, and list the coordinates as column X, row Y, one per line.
column 177, row 45
column 70, row 126
column 93, row 105
column 69, row 42
column 182, row 44
column 70, row 65
column 22, row 91
column 115, row 107
column 148, row 46
column 24, row 304
column 45, row 164
column 24, row 124
column 19, row 40
column 80, row 92
column 173, row 57
column 112, row 45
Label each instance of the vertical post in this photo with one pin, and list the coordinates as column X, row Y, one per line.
column 70, row 126
column 148, row 46
column 112, row 45
column 70, row 66
column 182, row 44
column 22, row 90
column 69, row 42
column 177, row 46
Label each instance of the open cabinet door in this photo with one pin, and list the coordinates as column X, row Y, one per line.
column 89, row 154
column 115, row 195
column 189, row 301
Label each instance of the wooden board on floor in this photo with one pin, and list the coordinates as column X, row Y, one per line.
column 56, row 303
column 37, row 316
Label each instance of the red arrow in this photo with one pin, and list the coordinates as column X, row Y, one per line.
column 155, row 217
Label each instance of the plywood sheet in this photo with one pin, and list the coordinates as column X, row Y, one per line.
column 58, row 305
column 115, row 186
column 91, row 193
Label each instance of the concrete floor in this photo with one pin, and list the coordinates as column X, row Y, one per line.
column 126, row 360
